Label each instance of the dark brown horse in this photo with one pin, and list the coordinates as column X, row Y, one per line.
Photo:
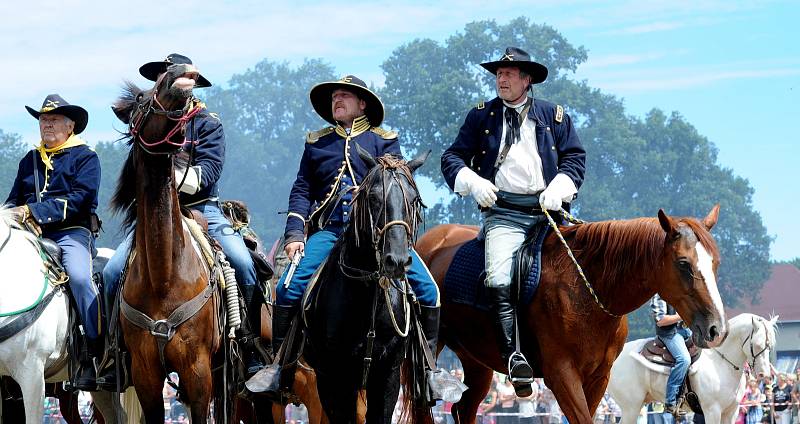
column 571, row 341
column 165, row 271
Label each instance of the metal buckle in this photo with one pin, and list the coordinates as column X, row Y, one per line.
column 161, row 328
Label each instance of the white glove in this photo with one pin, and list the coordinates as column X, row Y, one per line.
column 481, row 189
column 561, row 189
column 191, row 184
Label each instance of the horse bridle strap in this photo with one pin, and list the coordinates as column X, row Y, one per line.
column 25, row 319
column 164, row 329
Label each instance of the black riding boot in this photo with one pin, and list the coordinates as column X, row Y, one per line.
column 519, row 370
column 86, row 374
column 282, row 317
column 270, row 381
column 249, row 332
column 429, row 319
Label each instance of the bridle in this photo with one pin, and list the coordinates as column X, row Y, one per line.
column 753, row 354
column 153, row 107
column 412, row 209
column 767, row 345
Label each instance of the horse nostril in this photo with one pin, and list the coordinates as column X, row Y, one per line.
column 713, row 333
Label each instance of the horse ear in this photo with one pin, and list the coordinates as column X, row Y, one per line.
column 123, row 113
column 711, row 219
column 666, row 223
column 366, row 157
column 415, row 163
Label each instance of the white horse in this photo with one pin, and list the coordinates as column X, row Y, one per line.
column 38, row 352
column 717, row 377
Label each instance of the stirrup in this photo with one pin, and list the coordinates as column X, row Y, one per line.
column 521, row 365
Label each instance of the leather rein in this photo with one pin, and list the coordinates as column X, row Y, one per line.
column 153, row 107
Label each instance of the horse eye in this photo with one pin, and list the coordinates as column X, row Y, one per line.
column 684, row 265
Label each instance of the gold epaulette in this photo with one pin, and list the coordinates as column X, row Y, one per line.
column 559, row 113
column 481, row 105
column 313, row 136
column 384, row 134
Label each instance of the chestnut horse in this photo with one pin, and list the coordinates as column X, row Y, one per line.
column 165, row 271
column 566, row 334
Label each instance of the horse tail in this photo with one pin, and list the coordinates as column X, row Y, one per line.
column 414, row 408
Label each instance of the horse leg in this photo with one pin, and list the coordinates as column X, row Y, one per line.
column 104, row 405
column 305, row 386
column 383, row 389
column 478, row 379
column 338, row 396
column 31, row 380
column 567, row 387
column 148, row 380
column 196, row 382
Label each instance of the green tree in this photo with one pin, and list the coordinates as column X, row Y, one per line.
column 12, row 149
column 112, row 155
column 266, row 113
column 634, row 165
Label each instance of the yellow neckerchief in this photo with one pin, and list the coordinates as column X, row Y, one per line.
column 360, row 125
column 47, row 153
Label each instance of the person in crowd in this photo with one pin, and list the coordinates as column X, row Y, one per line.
column 781, row 397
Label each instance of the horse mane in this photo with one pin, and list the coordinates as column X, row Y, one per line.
column 360, row 215
column 124, row 199
column 633, row 245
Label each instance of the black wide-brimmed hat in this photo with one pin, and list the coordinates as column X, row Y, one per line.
column 519, row 58
column 54, row 104
column 150, row 70
column 321, row 98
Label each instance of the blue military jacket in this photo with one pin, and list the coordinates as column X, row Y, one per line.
column 209, row 156
column 69, row 191
column 329, row 163
column 478, row 142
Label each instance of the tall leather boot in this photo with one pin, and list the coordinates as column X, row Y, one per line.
column 282, row 317
column 519, row 370
column 86, row 375
column 248, row 334
column 429, row 319
column 270, row 381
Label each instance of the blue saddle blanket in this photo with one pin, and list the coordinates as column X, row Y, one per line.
column 464, row 282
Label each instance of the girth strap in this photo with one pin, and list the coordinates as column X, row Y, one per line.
column 164, row 330
column 25, row 319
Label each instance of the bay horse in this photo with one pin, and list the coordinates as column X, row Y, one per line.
column 361, row 307
column 717, row 376
column 571, row 341
column 165, row 271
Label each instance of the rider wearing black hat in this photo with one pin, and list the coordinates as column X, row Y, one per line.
column 320, row 200
column 513, row 154
column 55, row 193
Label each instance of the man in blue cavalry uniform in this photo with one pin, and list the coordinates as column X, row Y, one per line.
column 513, row 155
column 330, row 171
column 671, row 331
column 66, row 173
column 199, row 190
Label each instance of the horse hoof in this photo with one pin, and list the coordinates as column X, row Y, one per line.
column 523, row 390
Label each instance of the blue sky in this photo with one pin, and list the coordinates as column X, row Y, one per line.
column 731, row 68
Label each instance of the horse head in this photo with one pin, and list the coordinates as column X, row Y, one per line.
column 688, row 275
column 757, row 339
column 156, row 118
column 387, row 207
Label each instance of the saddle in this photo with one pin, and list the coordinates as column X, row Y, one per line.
column 656, row 352
column 464, row 281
